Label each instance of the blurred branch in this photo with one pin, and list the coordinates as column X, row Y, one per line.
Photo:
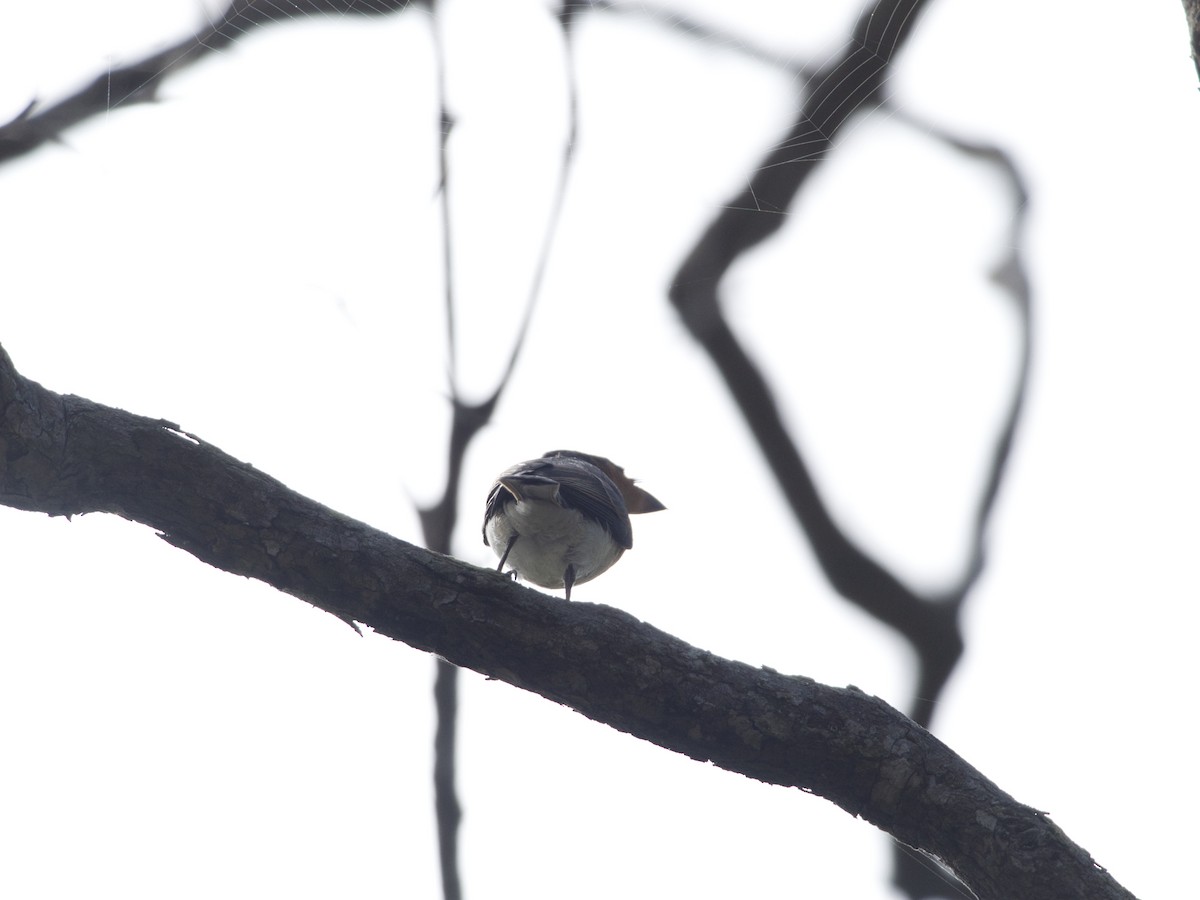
column 139, row 82
column 1011, row 276
column 696, row 30
column 438, row 521
column 64, row 455
column 437, row 525
column 849, row 83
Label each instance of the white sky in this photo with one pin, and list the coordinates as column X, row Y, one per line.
column 256, row 258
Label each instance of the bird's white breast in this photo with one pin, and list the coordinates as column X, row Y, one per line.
column 551, row 538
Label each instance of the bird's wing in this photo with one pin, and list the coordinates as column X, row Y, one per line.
column 585, row 487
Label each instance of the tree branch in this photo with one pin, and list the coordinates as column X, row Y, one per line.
column 850, row 83
column 438, row 521
column 64, row 455
column 139, row 81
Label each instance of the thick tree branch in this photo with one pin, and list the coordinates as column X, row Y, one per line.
column 850, row 83
column 64, row 455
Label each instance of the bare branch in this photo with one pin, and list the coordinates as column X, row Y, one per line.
column 1010, row 275
column 438, row 521
column 65, row 455
column 139, row 82
column 849, row 83
column 695, row 30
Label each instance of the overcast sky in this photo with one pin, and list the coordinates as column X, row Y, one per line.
column 257, row 259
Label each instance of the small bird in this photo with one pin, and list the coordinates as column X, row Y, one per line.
column 563, row 519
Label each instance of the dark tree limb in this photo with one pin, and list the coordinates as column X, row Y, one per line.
column 64, row 455
column 850, row 83
column 1010, row 276
column 437, row 524
column 438, row 521
column 139, row 81
column 447, row 809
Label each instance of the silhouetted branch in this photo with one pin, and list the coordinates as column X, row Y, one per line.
column 850, row 82
column 139, row 82
column 931, row 623
column 445, row 776
column 437, row 525
column 695, row 30
column 438, row 521
column 64, row 455
column 1011, row 276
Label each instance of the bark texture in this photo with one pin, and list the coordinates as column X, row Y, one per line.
column 64, row 455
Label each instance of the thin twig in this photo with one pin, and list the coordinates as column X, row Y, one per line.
column 140, row 81
column 438, row 521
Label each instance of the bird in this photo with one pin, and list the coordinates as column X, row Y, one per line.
column 562, row 519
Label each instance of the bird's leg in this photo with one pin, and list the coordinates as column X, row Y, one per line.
column 569, row 579
column 512, row 540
